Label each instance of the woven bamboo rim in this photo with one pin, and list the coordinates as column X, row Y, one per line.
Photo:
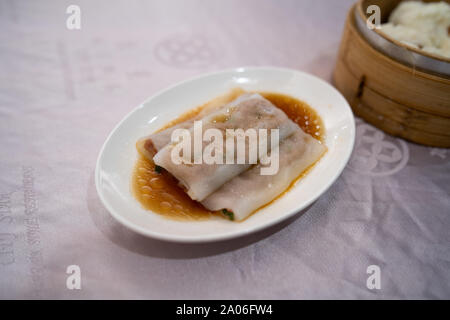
column 396, row 98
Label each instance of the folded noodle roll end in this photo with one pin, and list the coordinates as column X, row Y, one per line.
column 156, row 141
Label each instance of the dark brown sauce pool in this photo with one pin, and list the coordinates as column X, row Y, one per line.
column 160, row 193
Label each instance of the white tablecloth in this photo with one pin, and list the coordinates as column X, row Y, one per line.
column 61, row 93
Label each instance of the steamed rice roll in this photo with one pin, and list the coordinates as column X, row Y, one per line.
column 250, row 190
column 248, row 111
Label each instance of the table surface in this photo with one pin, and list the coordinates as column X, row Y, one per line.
column 61, row 93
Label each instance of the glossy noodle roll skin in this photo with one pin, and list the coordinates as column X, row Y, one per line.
column 156, row 141
column 250, row 190
column 248, row 111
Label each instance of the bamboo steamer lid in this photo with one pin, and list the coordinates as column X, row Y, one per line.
column 402, row 100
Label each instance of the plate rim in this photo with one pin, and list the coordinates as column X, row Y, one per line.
column 239, row 233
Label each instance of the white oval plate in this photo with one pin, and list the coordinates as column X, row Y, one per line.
column 118, row 154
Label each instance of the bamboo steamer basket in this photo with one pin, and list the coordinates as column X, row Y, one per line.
column 409, row 100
